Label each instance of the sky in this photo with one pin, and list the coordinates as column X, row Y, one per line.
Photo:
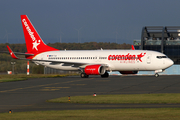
column 118, row 21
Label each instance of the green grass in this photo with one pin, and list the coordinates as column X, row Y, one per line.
column 126, row 98
column 19, row 77
column 105, row 114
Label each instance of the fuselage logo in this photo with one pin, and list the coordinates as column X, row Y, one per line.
column 128, row 57
column 31, row 34
column 91, row 69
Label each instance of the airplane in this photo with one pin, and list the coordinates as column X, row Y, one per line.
column 89, row 62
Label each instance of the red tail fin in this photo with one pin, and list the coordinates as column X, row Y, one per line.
column 34, row 43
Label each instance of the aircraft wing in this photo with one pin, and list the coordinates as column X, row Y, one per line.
column 66, row 63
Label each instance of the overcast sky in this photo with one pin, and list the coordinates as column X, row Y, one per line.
column 96, row 20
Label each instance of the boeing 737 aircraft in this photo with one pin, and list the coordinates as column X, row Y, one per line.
column 90, row 62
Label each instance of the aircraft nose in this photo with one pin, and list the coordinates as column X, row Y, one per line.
column 169, row 62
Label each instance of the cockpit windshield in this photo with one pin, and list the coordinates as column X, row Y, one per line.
column 159, row 57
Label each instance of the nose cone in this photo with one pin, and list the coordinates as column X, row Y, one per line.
column 169, row 63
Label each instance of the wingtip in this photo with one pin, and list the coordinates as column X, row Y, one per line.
column 132, row 46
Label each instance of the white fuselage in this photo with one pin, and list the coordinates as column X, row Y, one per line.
column 116, row 60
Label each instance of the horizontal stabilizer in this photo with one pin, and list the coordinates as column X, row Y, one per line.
column 18, row 53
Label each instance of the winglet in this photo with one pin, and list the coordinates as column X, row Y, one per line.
column 132, row 46
column 11, row 53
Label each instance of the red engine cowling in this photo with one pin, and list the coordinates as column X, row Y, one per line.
column 128, row 72
column 94, row 70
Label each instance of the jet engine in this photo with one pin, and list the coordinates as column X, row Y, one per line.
column 94, row 70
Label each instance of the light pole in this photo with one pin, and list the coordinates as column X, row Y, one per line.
column 13, row 63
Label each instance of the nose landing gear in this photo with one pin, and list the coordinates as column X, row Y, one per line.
column 156, row 75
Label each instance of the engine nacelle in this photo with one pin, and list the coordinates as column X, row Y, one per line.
column 128, row 72
column 94, row 70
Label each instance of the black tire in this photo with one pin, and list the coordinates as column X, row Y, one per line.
column 105, row 75
column 156, row 75
column 86, row 76
column 83, row 75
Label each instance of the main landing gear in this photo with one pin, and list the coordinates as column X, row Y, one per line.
column 84, row 75
column 105, row 75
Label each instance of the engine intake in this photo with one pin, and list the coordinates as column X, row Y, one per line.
column 94, row 70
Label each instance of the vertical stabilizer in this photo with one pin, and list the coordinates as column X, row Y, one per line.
column 34, row 43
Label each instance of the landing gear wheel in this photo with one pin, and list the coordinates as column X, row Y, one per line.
column 83, row 75
column 105, row 75
column 86, row 76
column 156, row 75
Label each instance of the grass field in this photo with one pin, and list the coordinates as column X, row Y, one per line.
column 105, row 114
column 164, row 98
column 19, row 77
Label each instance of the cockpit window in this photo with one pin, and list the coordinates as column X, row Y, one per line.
column 161, row 57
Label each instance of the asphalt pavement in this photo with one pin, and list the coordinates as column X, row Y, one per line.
column 31, row 94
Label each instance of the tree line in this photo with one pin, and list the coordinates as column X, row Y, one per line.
column 21, row 65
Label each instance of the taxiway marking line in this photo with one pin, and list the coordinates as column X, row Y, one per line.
column 11, row 90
